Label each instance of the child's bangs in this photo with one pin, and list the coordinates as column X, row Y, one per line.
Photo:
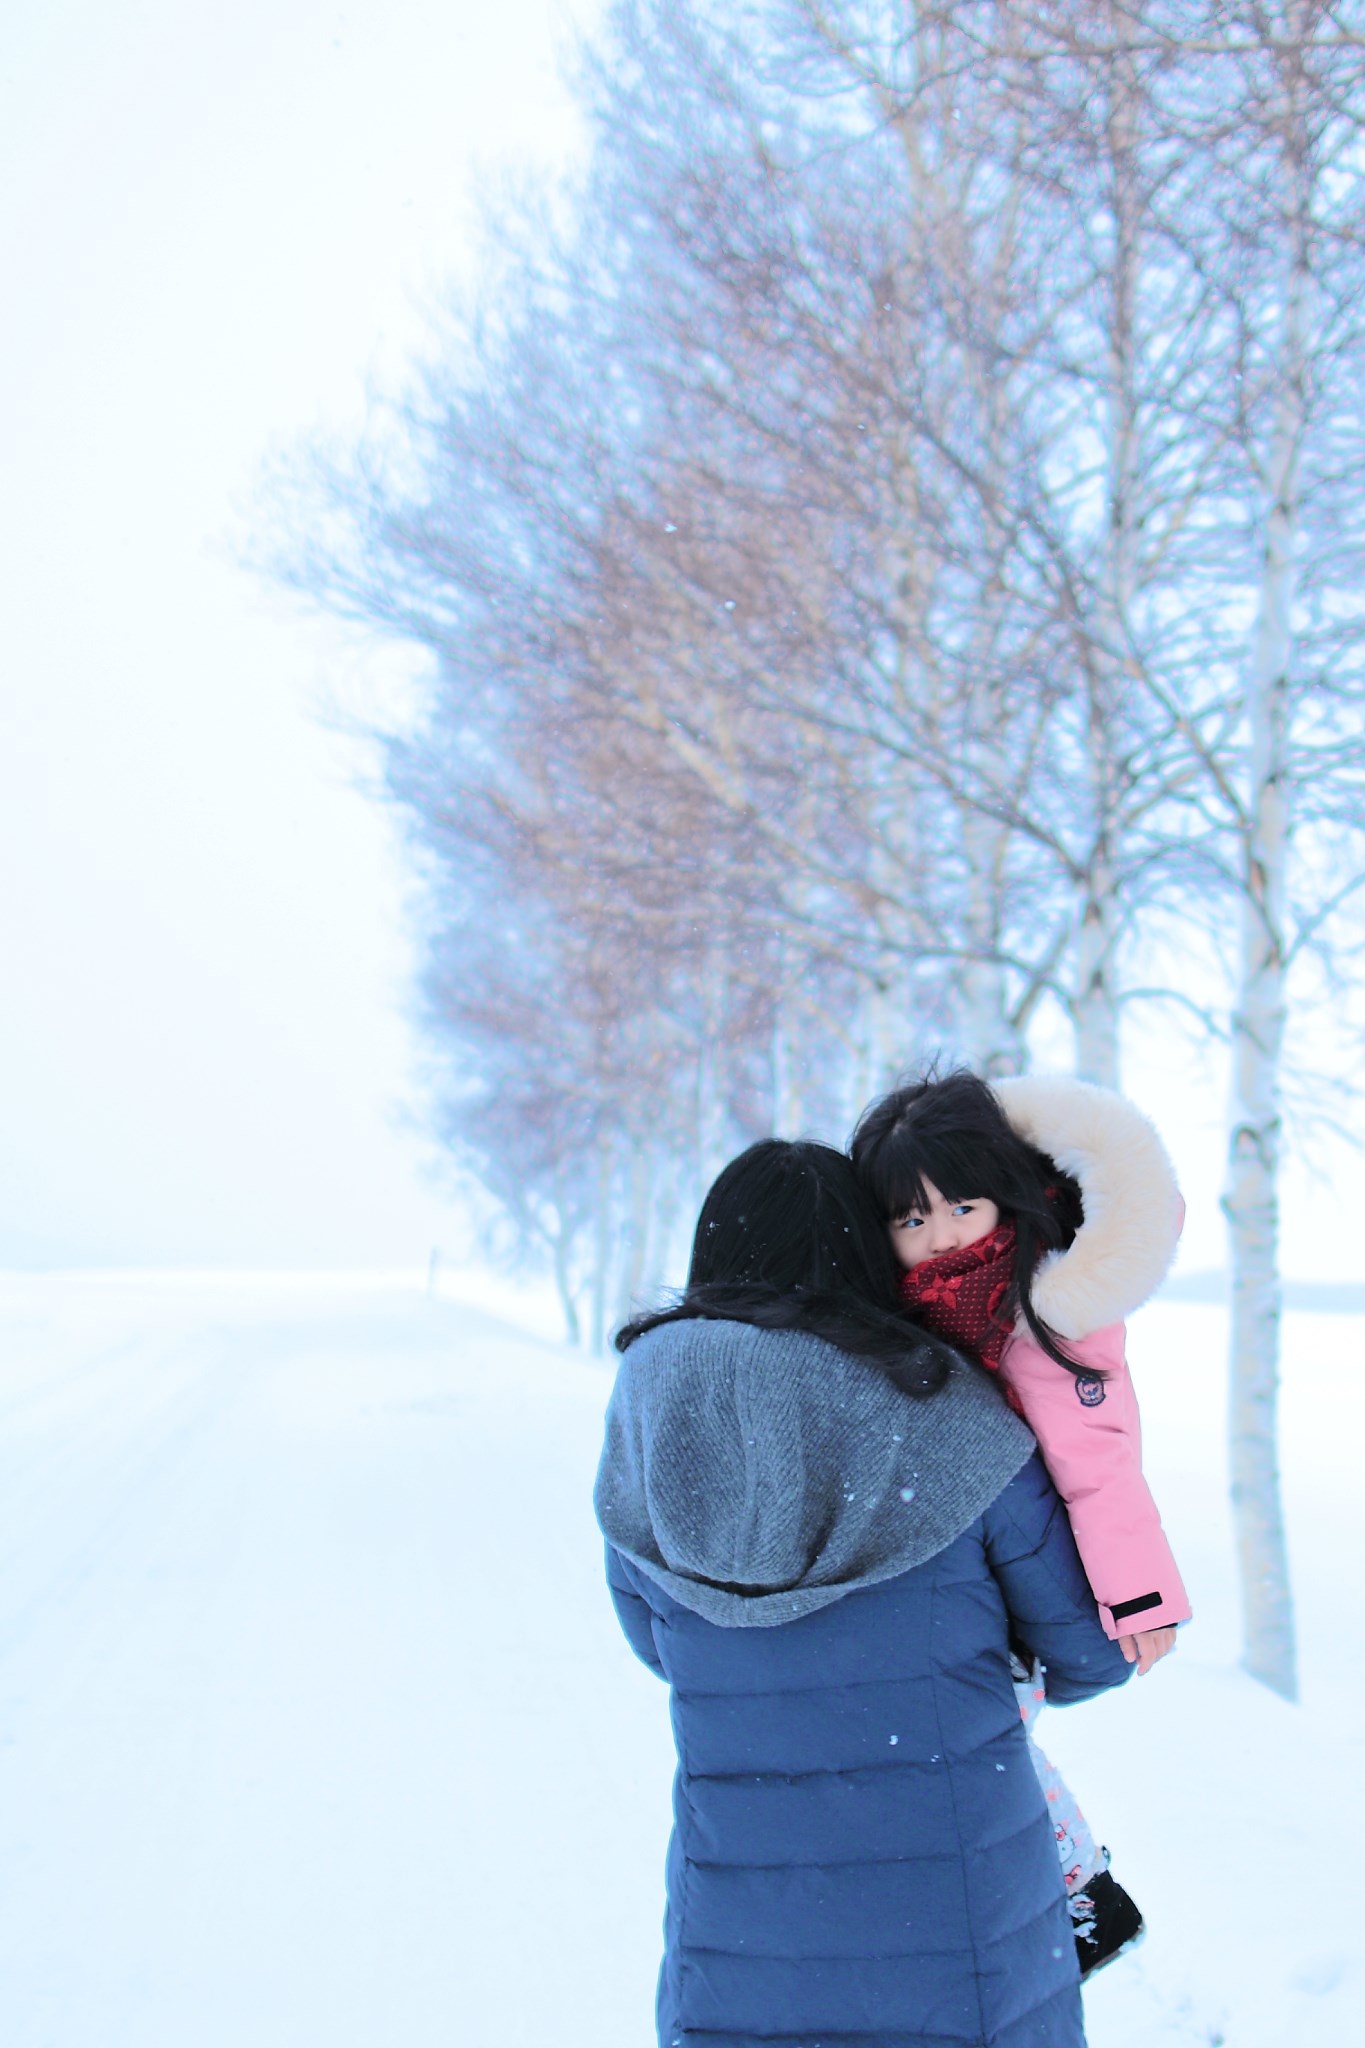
column 957, row 1164
column 898, row 1187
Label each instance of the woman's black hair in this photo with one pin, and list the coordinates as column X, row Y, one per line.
column 788, row 1239
column 951, row 1130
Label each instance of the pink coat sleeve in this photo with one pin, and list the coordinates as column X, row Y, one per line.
column 1091, row 1440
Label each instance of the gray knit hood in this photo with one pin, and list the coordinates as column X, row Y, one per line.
column 760, row 1474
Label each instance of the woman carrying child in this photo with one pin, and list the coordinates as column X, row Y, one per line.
column 1029, row 1219
column 824, row 1530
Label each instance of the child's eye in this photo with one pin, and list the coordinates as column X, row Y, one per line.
column 907, row 1222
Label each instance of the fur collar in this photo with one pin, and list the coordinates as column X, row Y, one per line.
column 1133, row 1210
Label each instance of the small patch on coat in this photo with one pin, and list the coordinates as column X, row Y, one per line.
column 1090, row 1392
column 1139, row 1606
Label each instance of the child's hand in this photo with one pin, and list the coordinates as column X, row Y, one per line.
column 1148, row 1648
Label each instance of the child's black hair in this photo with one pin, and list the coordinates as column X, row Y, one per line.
column 951, row 1130
column 789, row 1239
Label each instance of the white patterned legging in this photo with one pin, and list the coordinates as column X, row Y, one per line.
column 1080, row 1858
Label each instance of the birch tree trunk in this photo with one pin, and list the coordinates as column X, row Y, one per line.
column 1095, row 1004
column 563, row 1247
column 710, row 1099
column 668, row 1256
column 1251, row 1197
column 603, row 1236
column 563, row 1244
column 640, row 1183
column 991, row 1040
column 786, row 1096
column 786, row 1105
column 1095, row 1010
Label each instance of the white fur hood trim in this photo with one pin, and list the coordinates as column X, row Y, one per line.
column 1133, row 1210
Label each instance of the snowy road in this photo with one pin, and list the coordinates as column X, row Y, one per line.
column 315, row 1731
column 306, row 1682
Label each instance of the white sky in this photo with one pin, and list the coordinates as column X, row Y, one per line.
column 213, row 225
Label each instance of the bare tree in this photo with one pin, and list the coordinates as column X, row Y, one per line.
column 838, row 548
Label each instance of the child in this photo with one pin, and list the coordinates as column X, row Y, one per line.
column 1030, row 1219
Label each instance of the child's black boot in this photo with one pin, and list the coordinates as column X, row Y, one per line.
column 1106, row 1921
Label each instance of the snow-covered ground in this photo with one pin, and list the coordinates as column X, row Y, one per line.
column 316, row 1730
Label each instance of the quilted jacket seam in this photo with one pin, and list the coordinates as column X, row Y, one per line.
column 957, row 1821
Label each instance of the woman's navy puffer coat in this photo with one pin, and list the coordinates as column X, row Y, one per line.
column 862, row 1856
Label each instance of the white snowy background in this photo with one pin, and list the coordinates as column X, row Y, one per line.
column 315, row 1725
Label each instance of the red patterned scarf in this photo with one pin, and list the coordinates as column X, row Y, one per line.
column 961, row 1295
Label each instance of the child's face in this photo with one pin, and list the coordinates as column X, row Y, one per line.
column 941, row 1227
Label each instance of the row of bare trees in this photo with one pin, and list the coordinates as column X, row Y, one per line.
column 890, row 553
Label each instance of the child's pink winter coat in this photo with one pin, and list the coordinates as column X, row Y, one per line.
column 1088, row 1428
